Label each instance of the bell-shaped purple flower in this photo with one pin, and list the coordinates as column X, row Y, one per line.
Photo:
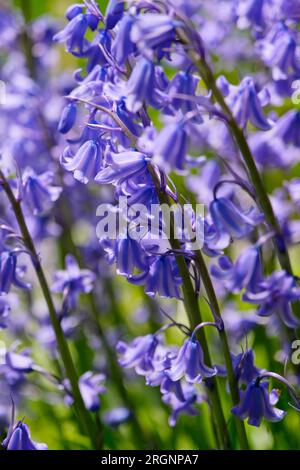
column 138, row 354
column 274, row 295
column 141, row 85
column 130, row 256
column 4, row 312
column 189, row 363
column 86, row 163
column 68, row 118
column 117, row 416
column 246, row 272
column 114, row 12
column 18, row 438
column 244, row 368
column 170, row 146
column 91, row 385
column 229, row 220
column 245, row 103
column 73, row 34
column 122, row 45
column 19, row 361
column 183, row 404
column 256, row 404
column 39, row 191
column 72, row 281
column 10, row 273
column 287, row 128
column 162, row 277
column 122, row 166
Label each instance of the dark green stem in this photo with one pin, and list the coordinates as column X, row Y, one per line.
column 84, row 416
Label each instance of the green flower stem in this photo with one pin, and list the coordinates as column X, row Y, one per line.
column 83, row 414
column 194, row 316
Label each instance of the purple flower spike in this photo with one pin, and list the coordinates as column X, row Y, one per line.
column 18, row 438
column 189, row 363
column 256, row 404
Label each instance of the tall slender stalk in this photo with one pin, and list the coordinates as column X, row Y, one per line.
column 83, row 414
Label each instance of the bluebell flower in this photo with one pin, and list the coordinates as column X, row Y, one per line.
column 10, row 273
column 251, row 13
column 72, row 281
column 94, row 53
column 151, row 31
column 162, row 277
column 287, row 128
column 189, row 363
column 138, row 354
column 74, row 10
column 68, row 118
column 122, row 45
column 245, row 103
column 274, row 295
column 229, row 220
column 73, row 34
column 39, row 191
column 86, row 163
column 18, row 438
column 91, row 386
column 19, row 362
column 256, row 404
column 183, row 84
column 130, row 256
column 290, row 9
column 114, row 12
column 244, row 368
column 122, row 166
column 279, row 51
column 170, row 147
column 141, row 85
column 246, row 272
column 117, row 416
column 185, row 405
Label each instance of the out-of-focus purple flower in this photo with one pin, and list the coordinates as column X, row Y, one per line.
column 170, row 146
column 293, row 188
column 246, row 272
column 4, row 312
column 287, row 128
column 39, row 191
column 114, row 12
column 204, row 183
column 19, row 361
column 138, row 354
column 161, row 278
column 10, row 273
column 72, row 281
column 86, row 163
column 18, row 438
column 245, row 103
column 117, row 416
column 68, row 118
column 184, row 405
column 256, row 404
column 230, row 221
column 153, row 30
column 274, row 295
column 279, row 51
column 91, row 385
column 250, row 13
column 189, row 363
